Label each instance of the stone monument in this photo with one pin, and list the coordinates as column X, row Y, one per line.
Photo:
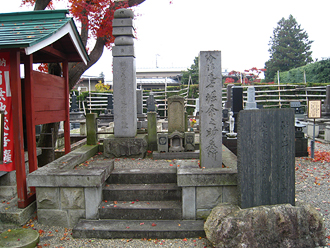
column 176, row 115
column 251, row 101
column 266, row 157
column 125, row 142
column 210, row 88
column 229, row 93
column 151, row 107
column 124, row 75
column 176, row 123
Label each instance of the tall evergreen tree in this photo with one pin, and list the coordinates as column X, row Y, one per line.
column 289, row 48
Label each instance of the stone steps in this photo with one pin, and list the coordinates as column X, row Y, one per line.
column 142, row 192
column 140, row 203
column 141, row 210
column 143, row 176
column 138, row 229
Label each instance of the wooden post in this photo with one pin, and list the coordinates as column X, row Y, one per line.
column 19, row 160
column 30, row 115
column 67, row 144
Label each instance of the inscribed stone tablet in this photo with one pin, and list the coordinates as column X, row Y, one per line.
column 210, row 97
column 124, row 96
column 266, row 157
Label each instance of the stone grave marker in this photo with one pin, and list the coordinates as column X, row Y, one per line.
column 139, row 102
column 266, row 157
column 228, row 104
column 110, row 103
column 124, row 75
column 176, row 114
column 151, row 103
column 251, row 101
column 237, row 101
column 210, row 97
column 74, row 105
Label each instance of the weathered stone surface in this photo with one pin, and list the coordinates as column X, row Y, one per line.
column 176, row 116
column 123, row 51
column 91, row 125
column 74, row 216
column 124, row 88
column 265, row 226
column 72, row 198
column 123, row 31
column 123, row 13
column 152, row 131
column 208, row 197
column 128, row 147
column 210, row 88
column 48, row 197
column 266, row 157
column 55, row 217
column 122, row 22
column 139, row 101
column 93, row 198
column 162, row 142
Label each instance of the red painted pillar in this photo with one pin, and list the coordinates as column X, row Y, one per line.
column 30, row 113
column 67, row 144
column 15, row 83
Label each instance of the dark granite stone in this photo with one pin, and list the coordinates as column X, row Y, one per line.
column 266, row 157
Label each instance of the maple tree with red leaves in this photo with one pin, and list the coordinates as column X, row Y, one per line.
column 248, row 76
column 96, row 18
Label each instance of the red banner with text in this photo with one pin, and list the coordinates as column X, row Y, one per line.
column 6, row 107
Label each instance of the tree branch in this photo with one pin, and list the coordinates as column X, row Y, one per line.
column 77, row 69
column 134, row 2
column 41, row 4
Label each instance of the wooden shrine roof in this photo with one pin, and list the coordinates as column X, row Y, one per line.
column 49, row 35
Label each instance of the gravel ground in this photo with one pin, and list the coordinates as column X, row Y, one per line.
column 313, row 182
column 312, row 186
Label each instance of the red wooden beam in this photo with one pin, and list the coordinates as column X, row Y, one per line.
column 67, row 144
column 17, row 113
column 30, row 115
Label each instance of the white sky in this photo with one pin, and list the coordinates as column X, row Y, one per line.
column 240, row 29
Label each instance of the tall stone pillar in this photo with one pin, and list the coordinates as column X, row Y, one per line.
column 124, row 75
column 210, row 97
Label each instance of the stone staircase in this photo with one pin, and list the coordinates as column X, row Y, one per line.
column 140, row 203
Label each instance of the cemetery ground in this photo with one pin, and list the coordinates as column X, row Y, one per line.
column 312, row 186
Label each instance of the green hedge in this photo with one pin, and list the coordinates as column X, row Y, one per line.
column 318, row 72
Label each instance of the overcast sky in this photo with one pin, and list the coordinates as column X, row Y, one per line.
column 171, row 35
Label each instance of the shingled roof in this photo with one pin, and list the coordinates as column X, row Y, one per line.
column 47, row 34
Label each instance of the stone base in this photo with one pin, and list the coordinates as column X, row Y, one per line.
column 280, row 225
column 126, row 147
column 175, row 155
column 66, row 191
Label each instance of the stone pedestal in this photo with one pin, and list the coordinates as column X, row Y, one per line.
column 64, row 194
column 126, row 147
column 162, row 142
column 189, row 141
column 176, row 142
